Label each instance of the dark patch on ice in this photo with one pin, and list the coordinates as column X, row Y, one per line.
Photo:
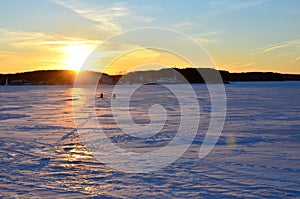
column 8, row 116
column 70, row 99
column 129, row 142
column 42, row 127
column 106, row 115
column 44, row 162
column 14, row 108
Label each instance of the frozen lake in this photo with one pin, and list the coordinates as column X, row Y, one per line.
column 257, row 154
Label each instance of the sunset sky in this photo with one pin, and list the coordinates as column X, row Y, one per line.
column 240, row 36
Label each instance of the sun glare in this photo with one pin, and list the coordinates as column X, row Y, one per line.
column 75, row 56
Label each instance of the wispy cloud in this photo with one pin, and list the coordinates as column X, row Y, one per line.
column 104, row 16
column 285, row 44
column 208, row 37
column 16, row 41
column 211, row 33
column 272, row 48
column 186, row 24
column 107, row 17
column 297, row 59
column 20, row 39
column 238, row 66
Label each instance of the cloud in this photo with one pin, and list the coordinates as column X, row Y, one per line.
column 208, row 37
column 205, row 37
column 108, row 17
column 237, row 66
column 186, row 24
column 283, row 45
column 17, row 40
column 105, row 15
column 297, row 59
column 48, row 17
column 272, row 48
column 285, row 53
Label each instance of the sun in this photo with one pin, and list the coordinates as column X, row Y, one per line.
column 75, row 56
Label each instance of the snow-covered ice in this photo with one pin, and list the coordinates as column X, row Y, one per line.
column 257, row 155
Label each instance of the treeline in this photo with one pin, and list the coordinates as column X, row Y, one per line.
column 45, row 77
column 203, row 75
column 259, row 76
column 192, row 75
column 48, row 77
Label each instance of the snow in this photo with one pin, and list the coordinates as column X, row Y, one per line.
column 257, row 155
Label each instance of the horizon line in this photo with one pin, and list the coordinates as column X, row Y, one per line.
column 76, row 72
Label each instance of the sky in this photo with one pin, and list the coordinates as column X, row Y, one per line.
column 238, row 35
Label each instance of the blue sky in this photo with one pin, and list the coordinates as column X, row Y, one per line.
column 253, row 35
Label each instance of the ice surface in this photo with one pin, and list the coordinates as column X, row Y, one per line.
column 257, row 155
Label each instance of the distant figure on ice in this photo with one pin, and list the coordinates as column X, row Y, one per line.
column 101, row 96
column 6, row 83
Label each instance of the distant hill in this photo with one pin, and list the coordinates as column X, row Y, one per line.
column 47, row 77
column 168, row 75
column 260, row 76
column 52, row 77
column 192, row 75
